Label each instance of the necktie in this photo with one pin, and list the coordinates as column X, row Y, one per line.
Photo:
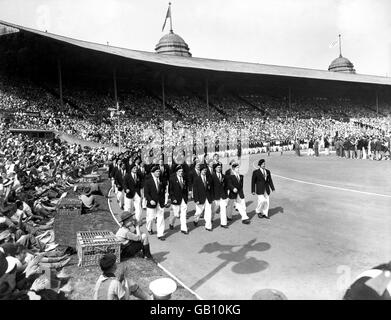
column 134, row 177
column 203, row 179
column 181, row 182
column 220, row 177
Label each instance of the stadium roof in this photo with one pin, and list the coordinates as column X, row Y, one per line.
column 211, row 64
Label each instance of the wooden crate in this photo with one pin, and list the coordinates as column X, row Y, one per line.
column 91, row 178
column 67, row 221
column 92, row 245
column 69, row 206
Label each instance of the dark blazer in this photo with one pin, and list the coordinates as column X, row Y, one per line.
column 176, row 192
column 192, row 176
column 143, row 177
column 208, row 173
column 165, row 174
column 111, row 170
column 258, row 183
column 133, row 186
column 171, row 169
column 233, row 182
column 186, row 170
column 119, row 179
column 219, row 187
column 150, row 193
column 148, row 168
column 200, row 192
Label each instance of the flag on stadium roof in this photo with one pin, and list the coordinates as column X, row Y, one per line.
column 168, row 15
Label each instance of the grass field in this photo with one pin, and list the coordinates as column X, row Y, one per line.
column 139, row 269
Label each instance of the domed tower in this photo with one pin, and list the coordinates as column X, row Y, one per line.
column 172, row 43
column 341, row 64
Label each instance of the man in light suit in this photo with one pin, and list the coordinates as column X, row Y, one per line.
column 178, row 194
column 155, row 194
column 262, row 185
column 236, row 194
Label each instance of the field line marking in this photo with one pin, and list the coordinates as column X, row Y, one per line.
column 327, row 186
column 158, row 264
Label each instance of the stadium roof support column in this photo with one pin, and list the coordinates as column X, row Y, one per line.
column 207, row 96
column 115, row 85
column 164, row 107
column 59, row 79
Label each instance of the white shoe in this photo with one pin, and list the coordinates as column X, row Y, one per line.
column 51, row 246
column 48, row 239
column 43, row 235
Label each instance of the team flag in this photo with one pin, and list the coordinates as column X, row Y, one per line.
column 168, row 15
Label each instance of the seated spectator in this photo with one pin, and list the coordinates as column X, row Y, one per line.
column 110, row 287
column 88, row 200
column 132, row 240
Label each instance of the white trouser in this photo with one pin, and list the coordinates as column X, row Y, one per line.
column 327, row 151
column 364, row 154
column 263, row 204
column 120, row 198
column 207, row 215
column 158, row 213
column 143, row 200
column 179, row 211
column 128, row 206
column 213, row 208
column 134, row 204
column 240, row 205
column 222, row 204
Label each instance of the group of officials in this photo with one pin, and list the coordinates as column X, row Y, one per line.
column 155, row 187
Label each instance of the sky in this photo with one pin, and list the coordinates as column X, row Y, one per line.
column 294, row 33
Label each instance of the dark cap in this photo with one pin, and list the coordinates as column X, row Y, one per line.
column 203, row 167
column 87, row 191
column 155, row 168
column 218, row 164
column 261, row 161
column 178, row 167
column 125, row 215
column 107, row 261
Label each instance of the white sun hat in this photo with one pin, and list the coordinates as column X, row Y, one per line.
column 162, row 288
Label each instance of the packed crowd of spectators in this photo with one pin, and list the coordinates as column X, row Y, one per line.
column 261, row 122
column 35, row 175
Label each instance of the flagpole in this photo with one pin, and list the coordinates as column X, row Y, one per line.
column 169, row 5
column 340, row 50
